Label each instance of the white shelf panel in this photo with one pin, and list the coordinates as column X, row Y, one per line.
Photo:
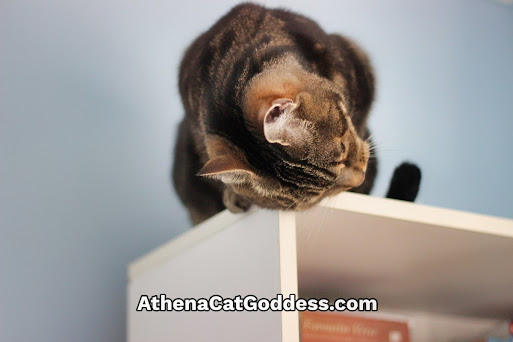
column 241, row 258
column 187, row 240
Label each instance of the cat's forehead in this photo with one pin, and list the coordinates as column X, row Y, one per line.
column 322, row 106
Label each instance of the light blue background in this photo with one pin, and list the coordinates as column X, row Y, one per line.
column 88, row 114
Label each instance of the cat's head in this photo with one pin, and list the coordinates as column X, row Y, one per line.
column 306, row 131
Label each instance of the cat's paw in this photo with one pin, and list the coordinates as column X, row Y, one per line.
column 235, row 203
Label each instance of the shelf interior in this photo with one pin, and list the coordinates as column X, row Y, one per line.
column 404, row 264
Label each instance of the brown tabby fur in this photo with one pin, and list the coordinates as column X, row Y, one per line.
column 276, row 114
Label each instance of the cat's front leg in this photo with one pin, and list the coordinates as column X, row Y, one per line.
column 234, row 202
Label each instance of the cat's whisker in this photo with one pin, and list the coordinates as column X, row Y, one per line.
column 313, row 224
column 382, row 144
column 387, row 139
column 391, row 150
column 373, row 148
column 325, row 214
column 369, row 137
column 296, row 202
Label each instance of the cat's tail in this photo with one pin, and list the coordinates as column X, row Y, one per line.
column 405, row 182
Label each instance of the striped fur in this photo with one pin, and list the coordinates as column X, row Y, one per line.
column 236, row 82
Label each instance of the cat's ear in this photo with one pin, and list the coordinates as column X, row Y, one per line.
column 227, row 163
column 282, row 126
column 228, row 169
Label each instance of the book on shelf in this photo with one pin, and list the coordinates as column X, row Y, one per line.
column 316, row 326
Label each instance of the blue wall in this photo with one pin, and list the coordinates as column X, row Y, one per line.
column 89, row 106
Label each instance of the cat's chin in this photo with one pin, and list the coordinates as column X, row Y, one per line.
column 298, row 204
column 305, row 204
column 281, row 202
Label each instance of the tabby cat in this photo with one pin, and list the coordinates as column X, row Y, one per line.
column 276, row 113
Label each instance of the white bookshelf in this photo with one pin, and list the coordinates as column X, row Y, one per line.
column 450, row 271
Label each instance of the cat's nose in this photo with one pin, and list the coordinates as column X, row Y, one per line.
column 358, row 178
column 354, row 177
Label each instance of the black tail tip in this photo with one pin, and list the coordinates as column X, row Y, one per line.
column 405, row 182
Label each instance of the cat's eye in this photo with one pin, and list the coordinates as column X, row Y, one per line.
column 343, row 147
